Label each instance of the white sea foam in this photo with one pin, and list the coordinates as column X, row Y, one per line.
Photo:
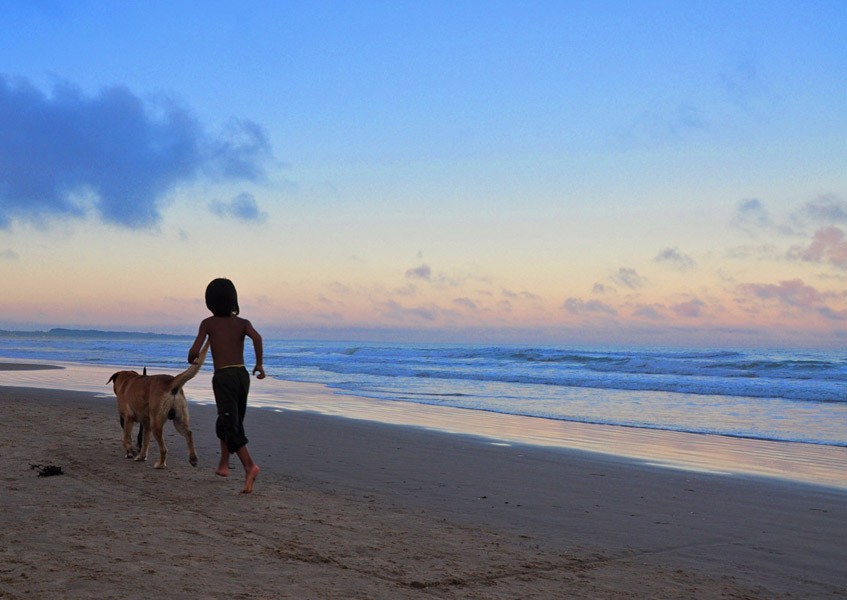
column 774, row 395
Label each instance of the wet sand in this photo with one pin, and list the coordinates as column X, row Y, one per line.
column 349, row 508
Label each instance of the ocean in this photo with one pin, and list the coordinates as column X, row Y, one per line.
column 777, row 395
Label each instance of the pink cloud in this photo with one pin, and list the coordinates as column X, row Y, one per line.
column 797, row 294
column 828, row 246
column 793, row 292
column 649, row 311
column 690, row 309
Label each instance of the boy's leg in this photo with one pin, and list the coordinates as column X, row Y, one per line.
column 223, row 463
column 251, row 469
column 231, row 399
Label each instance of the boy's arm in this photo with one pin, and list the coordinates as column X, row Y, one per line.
column 194, row 352
column 251, row 332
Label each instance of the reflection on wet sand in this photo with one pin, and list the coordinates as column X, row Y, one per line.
column 804, row 463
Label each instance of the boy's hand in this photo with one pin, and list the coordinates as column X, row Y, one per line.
column 260, row 370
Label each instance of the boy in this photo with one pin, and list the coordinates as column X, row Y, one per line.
column 231, row 382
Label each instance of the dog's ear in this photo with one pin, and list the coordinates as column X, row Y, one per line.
column 144, row 374
column 113, row 377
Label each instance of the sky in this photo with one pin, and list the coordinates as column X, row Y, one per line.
column 535, row 172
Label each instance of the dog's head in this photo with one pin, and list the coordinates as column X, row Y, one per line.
column 120, row 378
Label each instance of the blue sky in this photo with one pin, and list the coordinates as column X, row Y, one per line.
column 611, row 172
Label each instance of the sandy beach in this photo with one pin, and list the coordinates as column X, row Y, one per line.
column 348, row 508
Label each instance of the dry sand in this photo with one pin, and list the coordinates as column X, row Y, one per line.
column 347, row 508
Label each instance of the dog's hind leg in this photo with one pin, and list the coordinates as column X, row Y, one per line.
column 127, row 423
column 140, row 435
column 134, row 449
column 158, row 429
column 145, row 441
column 181, row 425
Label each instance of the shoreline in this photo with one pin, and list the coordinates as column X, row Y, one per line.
column 10, row 366
column 797, row 462
column 347, row 508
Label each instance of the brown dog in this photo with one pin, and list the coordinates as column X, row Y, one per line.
column 151, row 400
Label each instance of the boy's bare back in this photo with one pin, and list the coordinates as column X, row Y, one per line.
column 226, row 336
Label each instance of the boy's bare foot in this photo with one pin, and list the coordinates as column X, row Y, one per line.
column 251, row 478
column 222, row 470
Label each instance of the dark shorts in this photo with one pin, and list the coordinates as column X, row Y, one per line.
column 231, row 385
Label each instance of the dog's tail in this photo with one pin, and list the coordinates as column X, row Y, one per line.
column 183, row 378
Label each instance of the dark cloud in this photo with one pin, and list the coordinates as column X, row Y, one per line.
column 421, row 272
column 9, row 255
column 398, row 312
column 661, row 126
column 233, row 154
column 751, row 213
column 409, row 290
column 828, row 209
column 740, row 77
column 67, row 154
column 743, row 84
column 675, row 258
column 578, row 306
column 759, row 252
column 832, row 315
column 242, row 207
column 649, row 311
column 466, row 303
column 339, row 288
column 628, row 277
column 521, row 295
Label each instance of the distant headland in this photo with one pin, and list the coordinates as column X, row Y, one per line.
column 59, row 332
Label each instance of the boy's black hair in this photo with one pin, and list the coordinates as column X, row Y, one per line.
column 221, row 298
